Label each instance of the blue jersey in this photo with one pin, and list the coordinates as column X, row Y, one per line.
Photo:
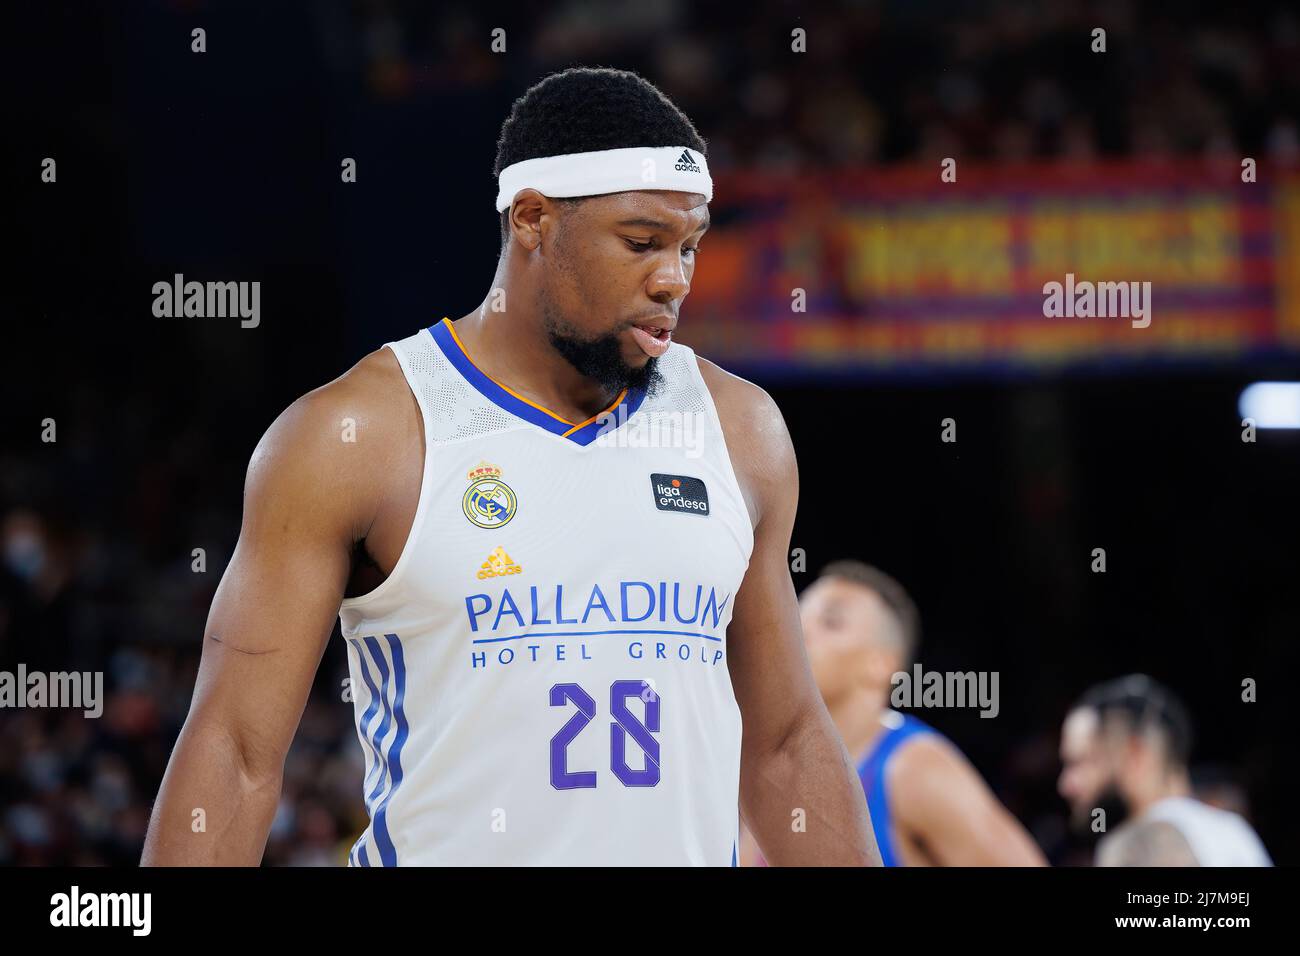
column 871, row 771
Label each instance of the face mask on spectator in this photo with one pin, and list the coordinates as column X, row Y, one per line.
column 24, row 554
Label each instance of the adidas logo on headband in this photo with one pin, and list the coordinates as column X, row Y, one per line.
column 686, row 163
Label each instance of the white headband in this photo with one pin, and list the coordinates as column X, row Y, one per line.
column 607, row 171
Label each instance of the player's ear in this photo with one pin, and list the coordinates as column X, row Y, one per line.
column 1132, row 753
column 881, row 664
column 526, row 216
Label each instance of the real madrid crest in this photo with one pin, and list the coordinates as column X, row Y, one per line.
column 489, row 502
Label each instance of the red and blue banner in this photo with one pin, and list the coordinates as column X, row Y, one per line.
column 897, row 271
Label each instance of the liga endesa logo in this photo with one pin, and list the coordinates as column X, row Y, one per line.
column 680, row 493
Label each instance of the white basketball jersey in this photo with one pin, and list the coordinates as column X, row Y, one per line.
column 1216, row 837
column 542, row 680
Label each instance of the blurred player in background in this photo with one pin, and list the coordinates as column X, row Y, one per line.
column 929, row 806
column 1125, row 748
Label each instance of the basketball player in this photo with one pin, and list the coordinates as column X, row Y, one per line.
column 928, row 805
column 1125, row 748
column 557, row 545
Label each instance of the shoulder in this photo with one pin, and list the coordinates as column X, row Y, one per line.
column 743, row 407
column 931, row 781
column 1146, row 843
column 1190, row 814
column 366, row 402
column 925, row 760
column 927, row 779
column 757, row 438
column 374, row 386
column 330, row 451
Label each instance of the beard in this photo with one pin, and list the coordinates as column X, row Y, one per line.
column 600, row 358
column 1111, row 803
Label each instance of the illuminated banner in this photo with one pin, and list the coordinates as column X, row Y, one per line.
column 1025, row 268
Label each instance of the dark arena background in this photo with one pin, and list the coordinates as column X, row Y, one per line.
column 895, row 184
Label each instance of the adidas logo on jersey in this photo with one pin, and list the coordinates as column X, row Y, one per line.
column 498, row 565
column 686, row 163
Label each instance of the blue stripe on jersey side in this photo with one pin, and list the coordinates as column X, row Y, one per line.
column 357, row 855
column 385, row 719
column 733, row 854
column 387, row 761
column 377, row 699
column 393, row 758
column 376, row 762
column 382, row 839
column 368, row 717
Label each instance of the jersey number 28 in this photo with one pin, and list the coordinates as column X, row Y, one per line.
column 625, row 724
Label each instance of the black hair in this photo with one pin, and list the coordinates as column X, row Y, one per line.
column 583, row 109
column 893, row 594
column 1141, row 704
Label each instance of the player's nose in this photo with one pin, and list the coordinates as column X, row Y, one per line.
column 669, row 282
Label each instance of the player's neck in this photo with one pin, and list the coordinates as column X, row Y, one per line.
column 512, row 348
column 1171, row 785
column 857, row 717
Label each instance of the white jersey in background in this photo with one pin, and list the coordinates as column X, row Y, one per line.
column 1216, row 837
column 542, row 680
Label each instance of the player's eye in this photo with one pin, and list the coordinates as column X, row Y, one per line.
column 640, row 246
column 693, row 250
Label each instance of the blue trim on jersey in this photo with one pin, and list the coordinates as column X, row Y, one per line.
column 871, row 771
column 516, row 406
column 620, row 413
column 625, row 630
column 368, row 717
column 378, row 700
column 357, row 855
column 378, row 763
column 733, row 853
column 387, row 852
column 387, row 761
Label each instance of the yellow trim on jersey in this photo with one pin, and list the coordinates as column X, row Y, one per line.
column 505, row 388
column 613, row 406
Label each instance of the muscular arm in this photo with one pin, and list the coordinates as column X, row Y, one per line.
column 307, row 501
column 794, row 768
column 942, row 803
